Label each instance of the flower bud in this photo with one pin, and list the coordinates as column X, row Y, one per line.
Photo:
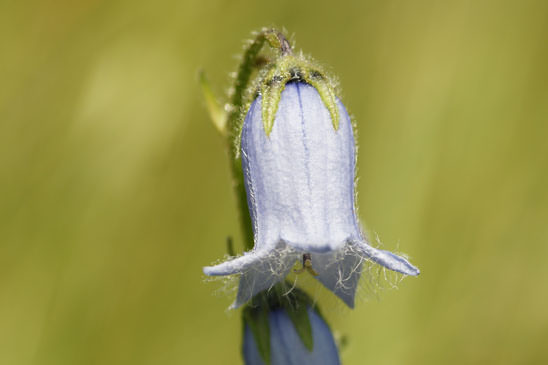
column 286, row 347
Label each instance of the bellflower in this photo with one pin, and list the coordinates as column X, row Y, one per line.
column 286, row 347
column 298, row 159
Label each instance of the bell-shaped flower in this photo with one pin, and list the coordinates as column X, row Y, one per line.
column 299, row 175
column 286, row 346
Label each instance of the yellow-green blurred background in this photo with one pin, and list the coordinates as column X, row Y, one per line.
column 115, row 188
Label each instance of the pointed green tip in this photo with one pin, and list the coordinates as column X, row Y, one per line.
column 216, row 112
column 257, row 320
column 270, row 102
column 301, row 321
column 329, row 99
column 271, row 90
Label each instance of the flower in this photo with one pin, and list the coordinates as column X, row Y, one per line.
column 299, row 174
column 286, row 347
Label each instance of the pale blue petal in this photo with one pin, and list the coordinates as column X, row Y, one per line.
column 300, row 178
column 339, row 272
column 263, row 274
column 386, row 259
column 237, row 265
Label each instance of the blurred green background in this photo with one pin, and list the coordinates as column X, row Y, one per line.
column 115, row 188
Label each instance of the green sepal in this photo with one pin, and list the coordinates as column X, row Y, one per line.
column 216, row 112
column 296, row 304
column 271, row 92
column 328, row 97
column 257, row 320
column 301, row 321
